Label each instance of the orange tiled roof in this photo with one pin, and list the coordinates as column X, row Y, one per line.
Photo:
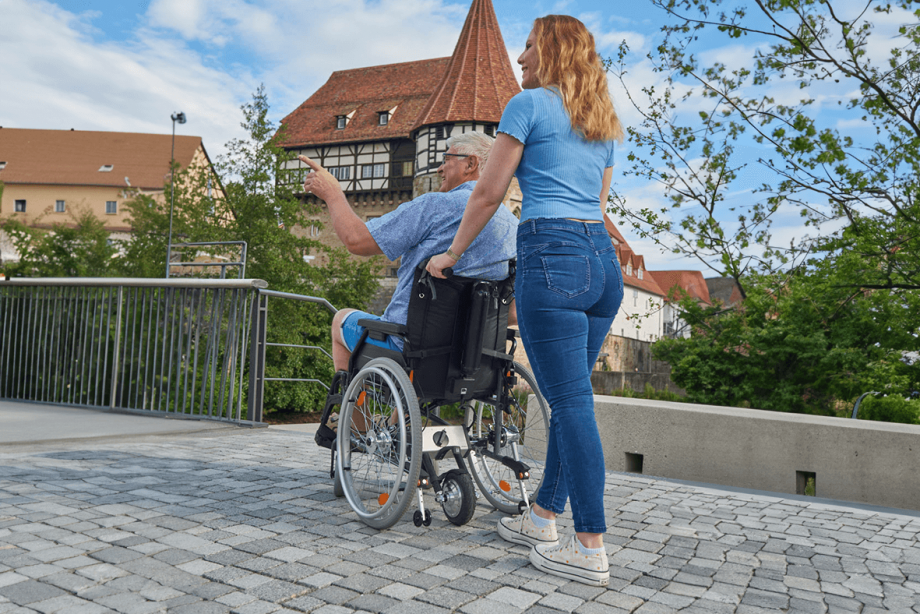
column 479, row 81
column 687, row 282
column 366, row 91
column 74, row 157
column 627, row 256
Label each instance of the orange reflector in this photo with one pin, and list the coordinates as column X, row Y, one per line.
column 411, row 375
column 504, row 485
column 361, row 398
column 382, row 499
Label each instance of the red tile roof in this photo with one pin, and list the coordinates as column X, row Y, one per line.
column 366, row 91
column 685, row 282
column 474, row 84
column 74, row 157
column 479, row 81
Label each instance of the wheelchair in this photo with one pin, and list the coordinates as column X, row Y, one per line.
column 391, row 439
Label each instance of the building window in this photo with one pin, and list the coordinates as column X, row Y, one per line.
column 376, row 171
column 314, row 230
column 20, row 206
column 639, row 273
column 59, row 206
column 342, row 173
column 439, row 133
column 340, row 122
column 383, row 118
column 111, row 207
column 106, row 168
column 490, row 130
column 635, row 297
column 629, row 269
column 403, row 169
column 2, row 165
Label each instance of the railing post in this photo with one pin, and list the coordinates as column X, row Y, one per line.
column 116, row 356
column 257, row 356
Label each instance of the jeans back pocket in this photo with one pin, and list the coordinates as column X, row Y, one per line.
column 567, row 274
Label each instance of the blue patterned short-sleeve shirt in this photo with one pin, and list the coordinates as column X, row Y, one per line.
column 424, row 227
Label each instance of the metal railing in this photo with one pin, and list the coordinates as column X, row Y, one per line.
column 163, row 345
column 260, row 344
column 210, row 263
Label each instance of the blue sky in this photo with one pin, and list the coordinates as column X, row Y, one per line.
column 125, row 65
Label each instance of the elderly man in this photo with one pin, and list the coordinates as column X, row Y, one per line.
column 416, row 230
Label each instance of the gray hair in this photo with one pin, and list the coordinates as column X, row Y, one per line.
column 473, row 144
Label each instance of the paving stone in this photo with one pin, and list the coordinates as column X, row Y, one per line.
column 30, row 591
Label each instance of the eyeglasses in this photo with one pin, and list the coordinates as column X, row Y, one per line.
column 448, row 155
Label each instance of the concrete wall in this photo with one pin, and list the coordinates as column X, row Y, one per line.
column 853, row 460
column 606, row 382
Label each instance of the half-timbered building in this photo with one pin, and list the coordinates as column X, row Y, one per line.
column 381, row 130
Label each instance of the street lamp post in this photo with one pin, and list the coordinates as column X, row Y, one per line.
column 176, row 117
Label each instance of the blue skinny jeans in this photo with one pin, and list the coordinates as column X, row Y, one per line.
column 568, row 287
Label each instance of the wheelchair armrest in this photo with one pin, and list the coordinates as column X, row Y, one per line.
column 511, row 334
column 377, row 329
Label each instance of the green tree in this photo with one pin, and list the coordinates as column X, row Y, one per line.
column 866, row 178
column 826, row 317
column 257, row 203
column 80, row 248
column 812, row 346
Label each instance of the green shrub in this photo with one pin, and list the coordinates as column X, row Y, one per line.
column 893, row 408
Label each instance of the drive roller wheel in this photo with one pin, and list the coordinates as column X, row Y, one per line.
column 379, row 451
column 460, row 497
column 524, row 436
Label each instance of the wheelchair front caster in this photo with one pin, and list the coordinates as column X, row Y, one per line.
column 419, row 521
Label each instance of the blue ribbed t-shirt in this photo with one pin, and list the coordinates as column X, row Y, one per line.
column 426, row 226
column 560, row 173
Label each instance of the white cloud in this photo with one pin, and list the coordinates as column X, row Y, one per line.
column 300, row 43
column 63, row 79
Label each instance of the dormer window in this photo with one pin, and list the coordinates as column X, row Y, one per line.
column 383, row 118
column 629, row 270
column 2, row 165
column 106, row 168
column 639, row 273
column 340, row 122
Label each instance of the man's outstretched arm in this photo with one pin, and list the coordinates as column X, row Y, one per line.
column 350, row 229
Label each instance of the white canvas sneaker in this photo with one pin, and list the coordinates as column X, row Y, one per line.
column 521, row 530
column 565, row 560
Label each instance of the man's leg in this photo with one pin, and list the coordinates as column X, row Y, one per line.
column 340, row 351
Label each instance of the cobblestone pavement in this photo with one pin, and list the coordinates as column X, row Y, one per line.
column 246, row 522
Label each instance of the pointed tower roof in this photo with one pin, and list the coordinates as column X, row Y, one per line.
column 479, row 80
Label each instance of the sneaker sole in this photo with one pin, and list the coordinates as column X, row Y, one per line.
column 519, row 538
column 579, row 574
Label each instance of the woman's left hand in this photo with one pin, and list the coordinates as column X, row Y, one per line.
column 438, row 263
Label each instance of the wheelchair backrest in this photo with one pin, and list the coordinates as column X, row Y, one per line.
column 457, row 335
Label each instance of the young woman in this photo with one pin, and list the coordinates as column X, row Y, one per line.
column 557, row 137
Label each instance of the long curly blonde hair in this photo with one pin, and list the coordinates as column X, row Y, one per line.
column 569, row 62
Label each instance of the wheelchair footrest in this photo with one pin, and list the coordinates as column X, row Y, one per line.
column 325, row 437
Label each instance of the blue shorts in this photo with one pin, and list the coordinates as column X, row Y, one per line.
column 351, row 332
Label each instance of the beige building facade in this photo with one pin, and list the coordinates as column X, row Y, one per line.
column 49, row 177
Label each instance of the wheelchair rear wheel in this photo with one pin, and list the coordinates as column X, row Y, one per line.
column 379, row 452
column 524, row 437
